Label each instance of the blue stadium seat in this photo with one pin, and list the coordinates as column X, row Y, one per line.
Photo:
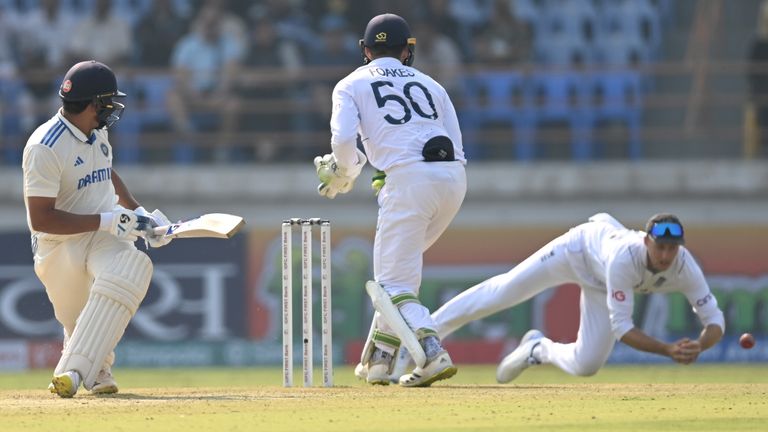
column 498, row 98
column 618, row 97
column 562, row 97
column 632, row 20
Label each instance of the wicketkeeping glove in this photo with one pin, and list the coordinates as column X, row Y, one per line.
column 334, row 179
column 124, row 224
column 156, row 219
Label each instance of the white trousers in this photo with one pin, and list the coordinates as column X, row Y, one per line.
column 550, row 266
column 68, row 268
column 416, row 205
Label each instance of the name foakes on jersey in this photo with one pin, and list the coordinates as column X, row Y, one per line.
column 95, row 176
column 387, row 72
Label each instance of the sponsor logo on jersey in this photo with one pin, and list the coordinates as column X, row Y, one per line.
column 79, row 161
column 95, row 176
column 704, row 300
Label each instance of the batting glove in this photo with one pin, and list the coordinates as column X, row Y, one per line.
column 124, row 224
column 156, row 219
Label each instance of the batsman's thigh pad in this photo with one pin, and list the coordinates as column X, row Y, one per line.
column 114, row 299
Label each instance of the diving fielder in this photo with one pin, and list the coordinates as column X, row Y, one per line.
column 611, row 264
column 408, row 127
column 84, row 223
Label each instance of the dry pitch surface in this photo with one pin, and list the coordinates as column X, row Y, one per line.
column 635, row 398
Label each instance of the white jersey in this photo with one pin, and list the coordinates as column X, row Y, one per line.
column 615, row 259
column 395, row 109
column 61, row 162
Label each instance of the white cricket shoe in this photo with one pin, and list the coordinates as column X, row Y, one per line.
column 439, row 368
column 65, row 385
column 378, row 368
column 105, row 383
column 520, row 359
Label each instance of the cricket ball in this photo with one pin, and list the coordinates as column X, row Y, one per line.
column 747, row 341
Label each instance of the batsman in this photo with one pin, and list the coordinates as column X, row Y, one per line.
column 410, row 133
column 84, row 223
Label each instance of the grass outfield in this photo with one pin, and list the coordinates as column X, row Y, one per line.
column 619, row 398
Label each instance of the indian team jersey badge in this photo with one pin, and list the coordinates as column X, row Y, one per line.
column 104, row 149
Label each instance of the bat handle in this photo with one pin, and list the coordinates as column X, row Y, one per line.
column 160, row 231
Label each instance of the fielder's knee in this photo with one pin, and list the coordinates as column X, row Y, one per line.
column 587, row 369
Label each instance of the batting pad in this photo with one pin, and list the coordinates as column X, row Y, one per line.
column 115, row 296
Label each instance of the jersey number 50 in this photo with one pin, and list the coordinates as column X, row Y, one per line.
column 382, row 100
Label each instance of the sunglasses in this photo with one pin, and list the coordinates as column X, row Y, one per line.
column 666, row 229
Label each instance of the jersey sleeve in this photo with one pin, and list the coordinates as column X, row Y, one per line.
column 696, row 290
column 345, row 121
column 42, row 172
column 620, row 296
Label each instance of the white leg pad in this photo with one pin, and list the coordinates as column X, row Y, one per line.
column 115, row 296
column 391, row 315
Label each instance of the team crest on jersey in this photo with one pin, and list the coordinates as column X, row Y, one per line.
column 66, row 86
column 381, row 37
column 104, row 149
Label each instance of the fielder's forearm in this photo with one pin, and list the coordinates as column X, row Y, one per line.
column 710, row 336
column 642, row 342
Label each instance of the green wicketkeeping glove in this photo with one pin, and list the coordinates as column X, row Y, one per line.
column 377, row 182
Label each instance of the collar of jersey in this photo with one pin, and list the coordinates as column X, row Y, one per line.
column 385, row 61
column 77, row 133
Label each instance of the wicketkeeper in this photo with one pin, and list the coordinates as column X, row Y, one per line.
column 408, row 127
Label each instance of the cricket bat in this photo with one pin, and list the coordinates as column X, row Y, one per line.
column 217, row 225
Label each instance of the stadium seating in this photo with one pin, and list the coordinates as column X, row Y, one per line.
column 498, row 98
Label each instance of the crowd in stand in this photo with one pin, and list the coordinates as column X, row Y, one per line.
column 236, row 73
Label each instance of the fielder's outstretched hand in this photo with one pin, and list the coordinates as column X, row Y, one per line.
column 686, row 351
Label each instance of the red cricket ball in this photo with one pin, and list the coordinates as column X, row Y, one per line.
column 747, row 341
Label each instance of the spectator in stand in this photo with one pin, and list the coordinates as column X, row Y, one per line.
column 204, row 63
column 8, row 74
column 758, row 80
column 439, row 56
column 41, row 43
column 331, row 61
column 157, row 32
column 292, row 23
column 272, row 64
column 351, row 10
column 505, row 39
column 231, row 23
column 103, row 36
column 438, row 12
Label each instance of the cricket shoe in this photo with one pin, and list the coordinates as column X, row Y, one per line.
column 403, row 362
column 521, row 358
column 65, row 385
column 438, row 368
column 105, row 383
column 378, row 368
